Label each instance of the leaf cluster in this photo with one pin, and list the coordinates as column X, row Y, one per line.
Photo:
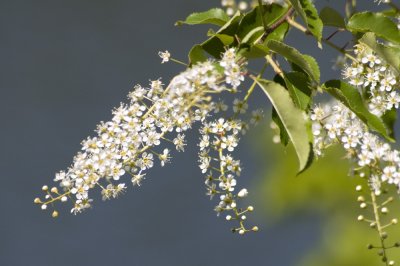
column 261, row 33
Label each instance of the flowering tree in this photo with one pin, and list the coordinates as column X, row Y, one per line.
column 359, row 117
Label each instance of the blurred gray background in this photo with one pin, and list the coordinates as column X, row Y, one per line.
column 63, row 66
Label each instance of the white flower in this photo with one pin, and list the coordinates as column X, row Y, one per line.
column 228, row 184
column 204, row 142
column 164, row 157
column 179, row 142
column 138, row 178
column 164, row 56
column 243, row 193
column 390, row 174
column 229, row 142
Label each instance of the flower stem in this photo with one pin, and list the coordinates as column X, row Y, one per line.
column 274, row 65
column 178, row 62
column 379, row 227
column 260, row 5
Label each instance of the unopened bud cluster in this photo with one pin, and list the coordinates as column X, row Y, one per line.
column 376, row 217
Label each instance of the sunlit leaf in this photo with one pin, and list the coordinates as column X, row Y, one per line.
column 391, row 54
column 307, row 63
column 351, row 98
column 377, row 23
column 309, row 14
column 196, row 55
column 294, row 120
column 214, row 16
column 297, row 84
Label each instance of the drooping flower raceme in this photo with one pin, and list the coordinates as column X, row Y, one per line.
column 374, row 158
column 218, row 140
column 335, row 123
column 138, row 134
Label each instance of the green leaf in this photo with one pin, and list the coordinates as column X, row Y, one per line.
column 389, row 53
column 309, row 14
column 278, row 34
column 214, row 46
column 294, row 120
column 377, row 23
column 225, row 39
column 196, row 55
column 305, row 62
column 392, row 12
column 313, row 65
column 389, row 118
column 261, row 50
column 214, row 16
column 251, row 27
column 297, row 84
column 351, row 98
column 330, row 17
column 283, row 135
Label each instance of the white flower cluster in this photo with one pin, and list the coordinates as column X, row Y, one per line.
column 218, row 140
column 373, row 77
column 375, row 159
column 130, row 142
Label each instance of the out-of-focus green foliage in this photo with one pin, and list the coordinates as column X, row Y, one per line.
column 328, row 190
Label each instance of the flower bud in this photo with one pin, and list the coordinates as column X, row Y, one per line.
column 54, row 214
column 44, row 207
column 45, row 188
column 243, row 193
column 241, row 232
column 37, row 200
column 360, row 199
column 250, row 208
column 254, row 229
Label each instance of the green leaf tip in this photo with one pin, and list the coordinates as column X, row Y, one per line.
column 214, row 16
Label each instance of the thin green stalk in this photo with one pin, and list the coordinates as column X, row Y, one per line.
column 261, row 10
column 379, row 227
column 178, row 62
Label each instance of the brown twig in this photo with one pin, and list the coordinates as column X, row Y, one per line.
column 276, row 24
